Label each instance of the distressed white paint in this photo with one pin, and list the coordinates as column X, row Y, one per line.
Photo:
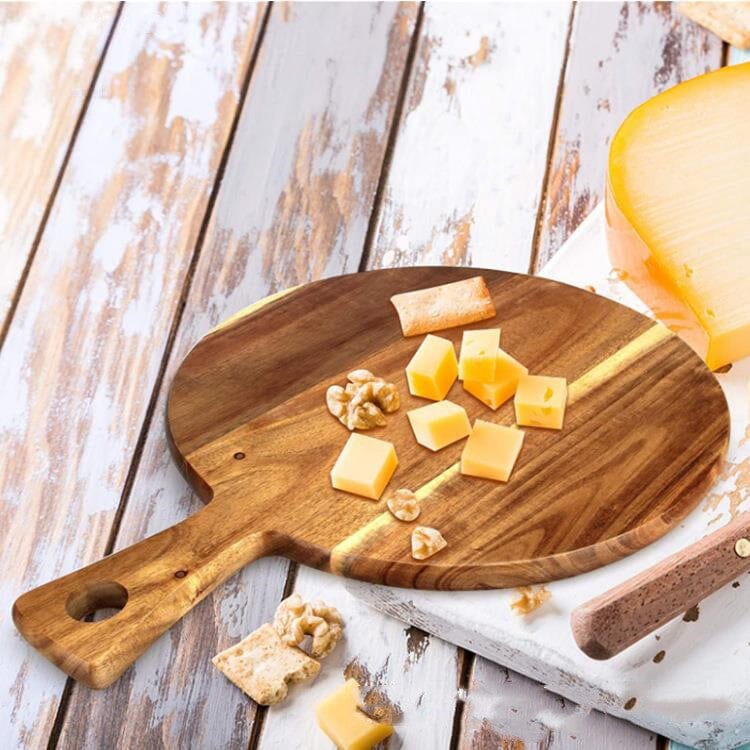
column 85, row 346
column 699, row 693
column 48, row 55
column 173, row 695
column 464, row 183
column 421, row 682
column 504, row 708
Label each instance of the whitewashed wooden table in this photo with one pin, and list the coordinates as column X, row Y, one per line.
column 164, row 166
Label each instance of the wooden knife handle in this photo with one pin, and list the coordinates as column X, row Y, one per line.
column 604, row 626
column 154, row 583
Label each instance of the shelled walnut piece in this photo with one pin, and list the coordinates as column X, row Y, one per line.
column 363, row 402
column 530, row 599
column 426, row 542
column 404, row 505
column 295, row 619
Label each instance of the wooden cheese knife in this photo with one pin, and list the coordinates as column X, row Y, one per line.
column 248, row 425
column 616, row 619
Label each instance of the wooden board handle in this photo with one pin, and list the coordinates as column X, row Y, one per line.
column 609, row 623
column 154, row 583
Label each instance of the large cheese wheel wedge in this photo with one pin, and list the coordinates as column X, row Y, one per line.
column 678, row 210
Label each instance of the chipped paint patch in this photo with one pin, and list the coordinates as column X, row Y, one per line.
column 374, row 699
column 417, row 642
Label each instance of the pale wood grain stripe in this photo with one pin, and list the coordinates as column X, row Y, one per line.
column 86, row 343
column 49, row 53
column 305, row 155
column 620, row 55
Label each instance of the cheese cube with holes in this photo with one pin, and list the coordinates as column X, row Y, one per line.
column 439, row 424
column 507, row 373
column 347, row 726
column 478, row 355
column 364, row 466
column 433, row 368
column 491, row 451
column 540, row 401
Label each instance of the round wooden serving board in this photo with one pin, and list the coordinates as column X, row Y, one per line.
column 645, row 430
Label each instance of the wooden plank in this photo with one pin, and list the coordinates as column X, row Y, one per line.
column 608, row 43
column 620, row 55
column 413, row 675
column 464, row 183
column 507, row 710
column 48, row 57
column 309, row 144
column 86, row 344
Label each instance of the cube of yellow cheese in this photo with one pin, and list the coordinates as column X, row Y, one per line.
column 433, row 368
column 364, row 466
column 491, row 451
column 507, row 372
column 346, row 725
column 439, row 424
column 478, row 355
column 540, row 401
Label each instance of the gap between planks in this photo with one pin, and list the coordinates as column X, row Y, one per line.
column 10, row 315
column 148, row 419
column 543, row 195
column 390, row 147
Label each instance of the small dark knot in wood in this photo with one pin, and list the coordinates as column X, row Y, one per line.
column 239, row 455
column 180, row 574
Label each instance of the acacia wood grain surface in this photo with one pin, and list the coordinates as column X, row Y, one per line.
column 48, row 56
column 621, row 473
column 173, row 696
column 86, row 342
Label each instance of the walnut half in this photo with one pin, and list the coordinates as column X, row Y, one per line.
column 295, row 619
column 530, row 599
column 363, row 403
column 404, row 505
column 425, row 542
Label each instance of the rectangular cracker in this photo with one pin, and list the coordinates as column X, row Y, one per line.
column 446, row 306
column 263, row 667
column 729, row 21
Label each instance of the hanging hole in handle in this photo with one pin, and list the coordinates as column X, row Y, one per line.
column 104, row 600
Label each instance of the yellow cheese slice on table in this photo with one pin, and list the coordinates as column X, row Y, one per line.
column 678, row 210
column 346, row 725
